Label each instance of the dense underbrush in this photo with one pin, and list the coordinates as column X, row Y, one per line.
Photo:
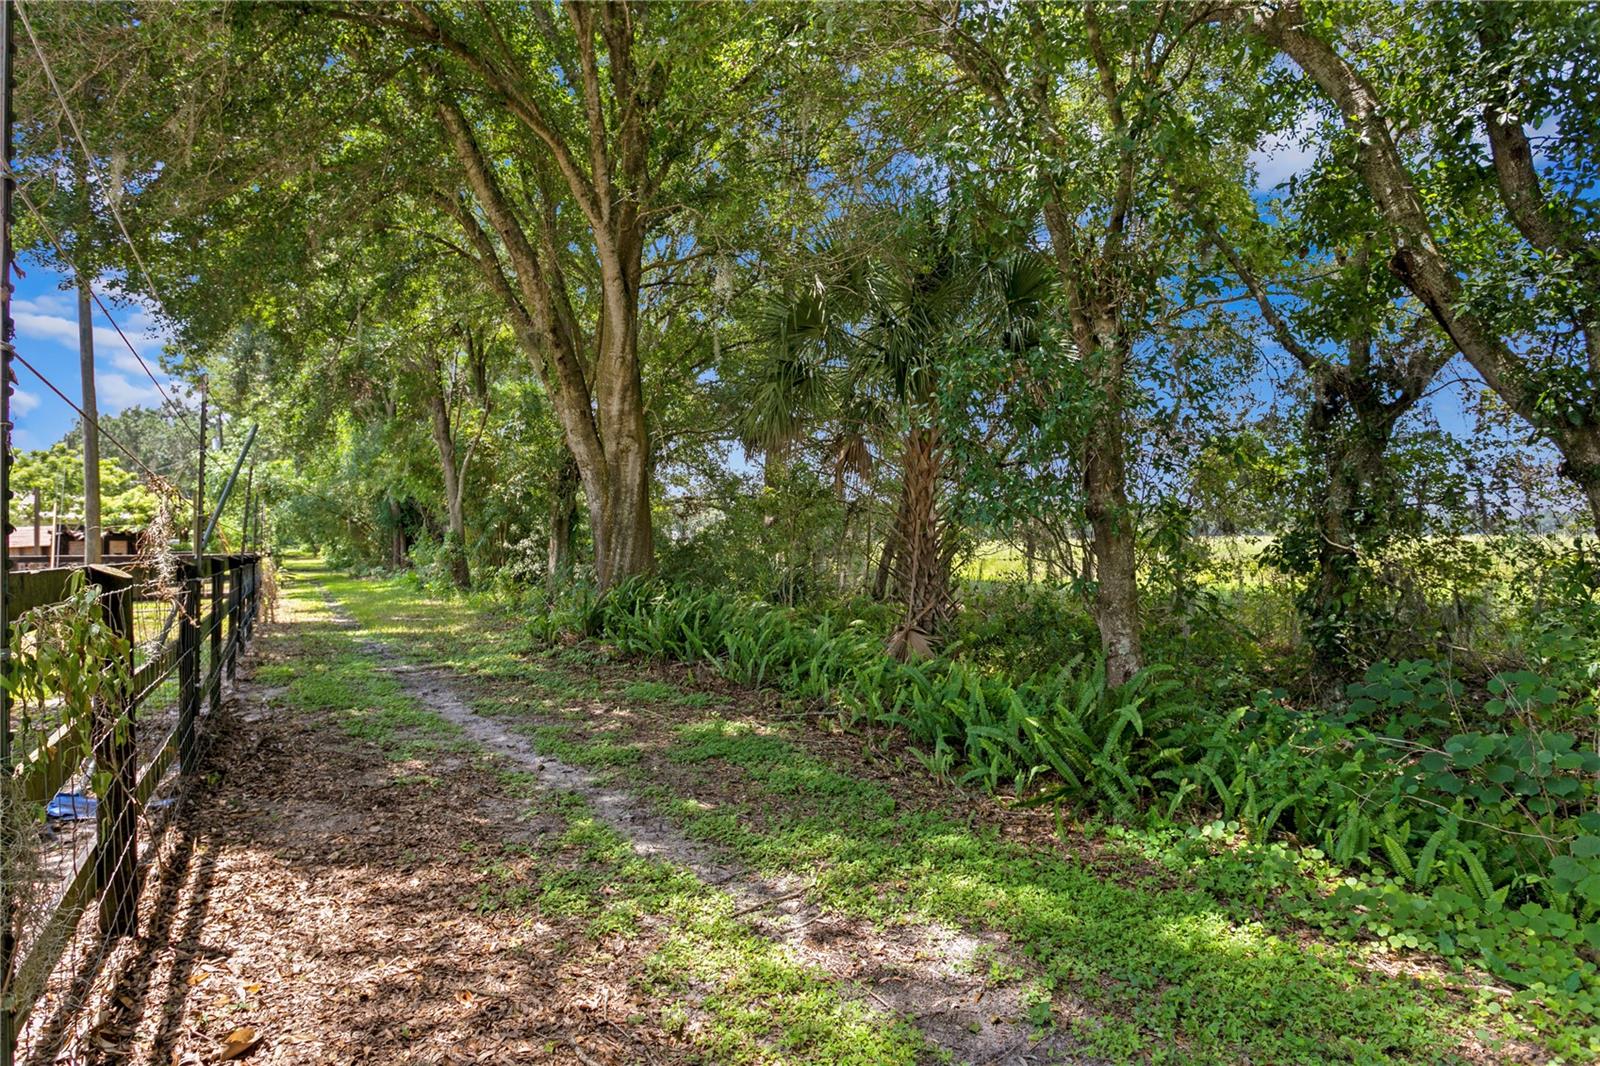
column 1419, row 809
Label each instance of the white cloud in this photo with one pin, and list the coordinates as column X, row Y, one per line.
column 116, row 392
column 47, row 303
column 1286, row 153
column 35, row 326
column 50, row 319
column 22, row 402
column 108, row 344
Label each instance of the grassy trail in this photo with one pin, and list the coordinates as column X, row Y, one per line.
column 1125, row 961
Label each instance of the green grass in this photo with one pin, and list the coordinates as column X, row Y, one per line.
column 333, row 675
column 662, row 692
column 760, row 999
column 1186, row 966
column 997, row 561
column 560, row 742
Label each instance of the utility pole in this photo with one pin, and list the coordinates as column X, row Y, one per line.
column 200, row 482
column 91, row 423
column 55, row 520
column 244, row 519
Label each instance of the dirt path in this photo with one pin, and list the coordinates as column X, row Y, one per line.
column 378, row 873
column 924, row 971
column 318, row 903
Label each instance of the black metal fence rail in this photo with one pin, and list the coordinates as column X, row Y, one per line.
column 66, row 890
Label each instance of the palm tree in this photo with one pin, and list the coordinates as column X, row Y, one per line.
column 855, row 352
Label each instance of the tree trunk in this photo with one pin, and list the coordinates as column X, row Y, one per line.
column 601, row 411
column 1099, row 336
column 1580, row 464
column 890, row 552
column 629, row 537
column 923, row 573
column 1338, row 560
column 1100, row 315
column 1359, row 509
column 1116, row 598
column 563, row 524
column 456, row 539
column 397, row 536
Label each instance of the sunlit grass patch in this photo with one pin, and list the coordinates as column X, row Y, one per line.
column 1172, row 969
column 273, row 674
column 735, row 993
column 561, row 742
column 332, row 674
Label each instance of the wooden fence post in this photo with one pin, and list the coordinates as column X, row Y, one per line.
column 247, row 570
column 189, row 679
column 116, row 772
column 255, row 596
column 255, row 592
column 235, row 592
column 214, row 696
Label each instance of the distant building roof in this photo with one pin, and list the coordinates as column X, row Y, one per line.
column 22, row 536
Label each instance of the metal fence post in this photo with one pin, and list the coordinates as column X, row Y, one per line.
column 214, row 678
column 189, row 671
column 116, row 771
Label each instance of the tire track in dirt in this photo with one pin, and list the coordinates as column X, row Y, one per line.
column 925, row 972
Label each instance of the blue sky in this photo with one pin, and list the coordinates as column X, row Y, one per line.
column 46, row 316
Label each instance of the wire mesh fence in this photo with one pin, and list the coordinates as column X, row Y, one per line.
column 110, row 679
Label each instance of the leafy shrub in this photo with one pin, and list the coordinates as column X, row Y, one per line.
column 977, row 726
column 1022, row 629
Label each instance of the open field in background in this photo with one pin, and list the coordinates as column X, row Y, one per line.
column 1463, row 589
column 1238, row 558
column 999, row 561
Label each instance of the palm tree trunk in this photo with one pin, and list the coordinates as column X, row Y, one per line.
column 923, row 574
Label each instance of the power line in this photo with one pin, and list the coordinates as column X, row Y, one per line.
column 111, row 202
column 72, row 120
column 56, row 243
column 157, row 478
